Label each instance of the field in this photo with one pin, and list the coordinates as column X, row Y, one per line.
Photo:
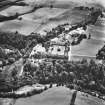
column 59, row 96
column 47, row 18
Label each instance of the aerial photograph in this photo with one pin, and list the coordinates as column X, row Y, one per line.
column 52, row 52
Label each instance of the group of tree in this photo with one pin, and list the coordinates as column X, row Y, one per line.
column 101, row 53
column 84, row 74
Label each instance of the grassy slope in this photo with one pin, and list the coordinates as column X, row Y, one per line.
column 58, row 96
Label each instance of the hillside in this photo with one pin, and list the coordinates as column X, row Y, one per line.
column 45, row 16
column 59, row 96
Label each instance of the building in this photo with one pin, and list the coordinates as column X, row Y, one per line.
column 38, row 48
column 59, row 47
column 77, row 31
column 56, row 48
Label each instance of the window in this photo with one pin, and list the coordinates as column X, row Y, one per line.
column 58, row 49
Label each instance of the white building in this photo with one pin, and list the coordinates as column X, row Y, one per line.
column 59, row 46
column 67, row 27
column 77, row 31
column 38, row 48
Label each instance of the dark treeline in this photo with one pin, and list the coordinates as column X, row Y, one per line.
column 101, row 53
column 80, row 38
column 20, row 41
column 86, row 75
column 17, row 40
column 84, row 8
column 23, row 95
column 5, row 3
column 83, row 75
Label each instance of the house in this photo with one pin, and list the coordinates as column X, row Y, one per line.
column 56, row 48
column 38, row 48
column 77, row 31
column 59, row 47
column 67, row 27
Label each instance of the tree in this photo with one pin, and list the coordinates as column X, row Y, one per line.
column 73, row 98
